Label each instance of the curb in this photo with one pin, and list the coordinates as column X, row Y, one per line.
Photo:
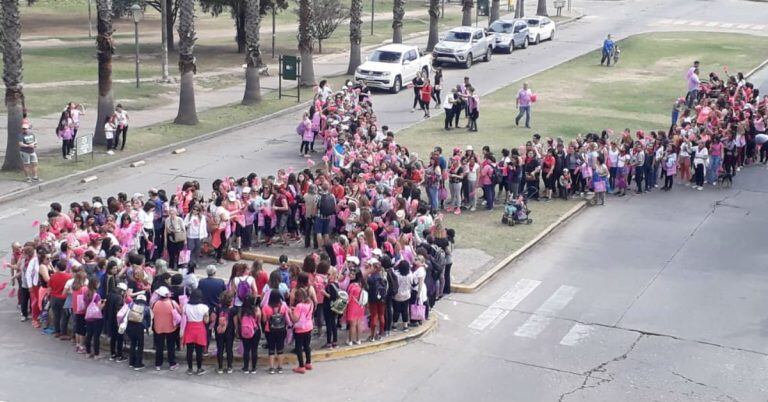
column 756, row 69
column 572, row 19
column 472, row 287
column 321, row 355
column 13, row 195
column 269, row 259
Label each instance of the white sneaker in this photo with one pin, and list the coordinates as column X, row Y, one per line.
column 699, row 188
column 738, row 169
column 110, row 152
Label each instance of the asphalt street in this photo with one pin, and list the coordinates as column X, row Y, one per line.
column 654, row 297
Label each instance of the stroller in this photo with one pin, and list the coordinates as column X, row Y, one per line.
column 516, row 211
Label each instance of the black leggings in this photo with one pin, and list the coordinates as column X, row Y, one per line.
column 251, row 351
column 331, row 331
column 124, row 131
column 222, row 246
column 224, row 342
column 198, row 350
column 699, row 175
column 668, row 181
column 424, row 106
column 304, row 149
column 302, row 345
column 416, row 98
column 447, row 280
column 436, row 96
column 93, row 336
column 401, row 312
column 66, row 147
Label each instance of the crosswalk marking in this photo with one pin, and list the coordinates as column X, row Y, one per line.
column 11, row 212
column 709, row 24
column 541, row 318
column 577, row 334
column 502, row 306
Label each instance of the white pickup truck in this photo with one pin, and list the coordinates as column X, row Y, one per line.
column 389, row 66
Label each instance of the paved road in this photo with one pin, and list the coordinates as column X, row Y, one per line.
column 633, row 301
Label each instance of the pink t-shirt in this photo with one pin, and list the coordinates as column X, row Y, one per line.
column 716, row 149
column 304, row 323
column 524, row 97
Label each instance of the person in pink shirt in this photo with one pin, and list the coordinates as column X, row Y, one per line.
column 715, row 158
column 164, row 326
column 301, row 315
column 486, row 180
column 523, row 104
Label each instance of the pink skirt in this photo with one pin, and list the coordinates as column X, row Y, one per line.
column 195, row 333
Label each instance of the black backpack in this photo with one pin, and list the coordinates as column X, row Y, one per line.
column 277, row 321
column 437, row 260
column 378, row 287
column 394, row 285
column 327, row 205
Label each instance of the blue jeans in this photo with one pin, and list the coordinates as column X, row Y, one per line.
column 714, row 166
column 434, row 198
column 527, row 111
column 489, row 195
column 648, row 173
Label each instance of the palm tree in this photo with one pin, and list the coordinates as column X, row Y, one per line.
column 253, row 53
column 12, row 77
column 541, row 8
column 307, row 77
column 434, row 14
column 494, row 10
column 520, row 9
column 187, row 67
column 105, row 48
column 355, row 35
column 466, row 8
column 398, row 13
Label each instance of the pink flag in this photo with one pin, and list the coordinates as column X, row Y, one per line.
column 35, row 223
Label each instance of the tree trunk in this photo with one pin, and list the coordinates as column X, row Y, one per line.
column 240, row 29
column 253, row 53
column 12, row 77
column 105, row 49
column 520, row 9
column 355, row 35
column 307, row 77
column 494, row 10
column 170, row 18
column 187, row 109
column 466, row 8
column 434, row 15
column 398, row 13
column 541, row 8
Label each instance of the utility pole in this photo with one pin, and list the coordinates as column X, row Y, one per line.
column 90, row 22
column 164, row 36
column 273, row 30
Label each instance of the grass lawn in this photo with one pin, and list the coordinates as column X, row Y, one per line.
column 580, row 97
column 151, row 137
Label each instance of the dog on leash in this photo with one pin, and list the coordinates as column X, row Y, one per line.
column 725, row 180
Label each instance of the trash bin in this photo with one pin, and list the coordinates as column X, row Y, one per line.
column 482, row 7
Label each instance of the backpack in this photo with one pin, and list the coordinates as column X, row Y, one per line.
column 437, row 262
column 243, row 289
column 363, row 299
column 496, row 177
column 136, row 313
column 300, row 128
column 247, row 327
column 222, row 322
column 339, row 306
column 277, row 321
column 327, row 205
column 378, row 286
column 394, row 284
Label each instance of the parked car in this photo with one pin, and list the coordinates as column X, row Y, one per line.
column 540, row 28
column 509, row 34
column 463, row 45
column 391, row 65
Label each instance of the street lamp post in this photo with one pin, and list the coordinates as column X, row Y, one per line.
column 136, row 13
column 273, row 30
column 372, row 11
column 164, row 39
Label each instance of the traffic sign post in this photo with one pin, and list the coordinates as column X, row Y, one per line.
column 290, row 69
column 83, row 145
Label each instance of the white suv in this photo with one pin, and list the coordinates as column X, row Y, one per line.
column 463, row 45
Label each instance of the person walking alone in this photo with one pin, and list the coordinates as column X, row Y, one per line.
column 608, row 48
column 523, row 104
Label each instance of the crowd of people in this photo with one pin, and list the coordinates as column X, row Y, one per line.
column 126, row 265
column 371, row 214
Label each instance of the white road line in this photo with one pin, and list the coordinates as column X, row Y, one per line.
column 680, row 22
column 576, row 335
column 712, row 24
column 542, row 316
column 11, row 212
column 501, row 307
column 726, row 25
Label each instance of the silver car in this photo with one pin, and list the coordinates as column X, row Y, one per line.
column 509, row 34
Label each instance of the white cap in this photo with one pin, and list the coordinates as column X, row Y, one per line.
column 246, row 190
column 163, row 291
column 231, row 196
column 377, row 252
column 122, row 286
column 373, row 261
column 97, row 204
column 353, row 260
